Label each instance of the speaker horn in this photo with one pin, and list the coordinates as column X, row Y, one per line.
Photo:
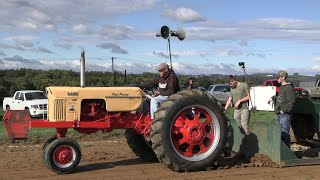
column 165, row 32
column 180, row 34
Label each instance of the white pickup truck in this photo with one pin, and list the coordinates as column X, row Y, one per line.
column 33, row 100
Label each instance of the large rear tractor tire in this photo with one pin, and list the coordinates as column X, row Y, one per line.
column 303, row 126
column 140, row 146
column 62, row 155
column 185, row 142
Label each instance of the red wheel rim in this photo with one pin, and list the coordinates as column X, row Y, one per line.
column 193, row 133
column 64, row 156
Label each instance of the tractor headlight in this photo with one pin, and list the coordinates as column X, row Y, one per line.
column 34, row 106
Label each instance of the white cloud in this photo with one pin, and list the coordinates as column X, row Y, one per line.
column 50, row 27
column 268, row 29
column 45, row 50
column 17, row 62
column 36, row 14
column 183, row 14
column 114, row 48
column 81, row 29
column 29, row 26
column 117, row 31
column 2, row 53
column 19, row 38
column 316, row 58
column 12, row 46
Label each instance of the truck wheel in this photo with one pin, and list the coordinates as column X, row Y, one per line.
column 303, row 126
column 62, row 155
column 140, row 146
column 7, row 107
column 185, row 143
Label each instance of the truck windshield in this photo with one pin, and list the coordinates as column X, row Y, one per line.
column 36, row 95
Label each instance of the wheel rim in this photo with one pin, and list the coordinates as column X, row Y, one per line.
column 64, row 156
column 195, row 133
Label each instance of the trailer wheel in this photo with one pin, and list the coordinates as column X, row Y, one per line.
column 140, row 146
column 62, row 155
column 190, row 143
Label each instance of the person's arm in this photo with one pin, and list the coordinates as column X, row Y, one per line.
column 228, row 103
column 150, row 84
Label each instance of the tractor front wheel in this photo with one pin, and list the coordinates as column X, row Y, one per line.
column 62, row 155
column 44, row 147
column 190, row 131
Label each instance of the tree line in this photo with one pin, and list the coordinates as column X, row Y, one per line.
column 30, row 79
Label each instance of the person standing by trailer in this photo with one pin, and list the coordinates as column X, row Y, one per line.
column 239, row 96
column 283, row 106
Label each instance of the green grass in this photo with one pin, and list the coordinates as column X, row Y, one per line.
column 256, row 116
column 42, row 134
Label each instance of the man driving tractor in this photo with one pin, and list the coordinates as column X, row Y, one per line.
column 166, row 83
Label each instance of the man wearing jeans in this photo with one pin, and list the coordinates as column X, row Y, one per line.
column 283, row 106
column 239, row 95
column 167, row 84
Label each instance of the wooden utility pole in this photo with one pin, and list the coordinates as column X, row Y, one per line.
column 113, row 76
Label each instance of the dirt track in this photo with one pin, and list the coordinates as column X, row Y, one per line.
column 113, row 159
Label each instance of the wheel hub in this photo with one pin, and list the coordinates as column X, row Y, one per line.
column 196, row 134
column 63, row 155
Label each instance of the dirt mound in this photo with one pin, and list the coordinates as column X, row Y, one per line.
column 240, row 161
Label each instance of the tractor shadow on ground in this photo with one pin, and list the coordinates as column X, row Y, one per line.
column 107, row 165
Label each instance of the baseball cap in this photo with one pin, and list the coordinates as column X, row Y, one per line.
column 282, row 73
column 162, row 66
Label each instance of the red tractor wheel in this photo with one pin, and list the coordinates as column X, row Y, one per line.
column 190, row 131
column 44, row 151
column 62, row 155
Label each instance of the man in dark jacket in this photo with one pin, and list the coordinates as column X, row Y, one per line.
column 283, row 106
column 167, row 84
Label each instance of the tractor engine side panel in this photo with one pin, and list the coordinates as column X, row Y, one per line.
column 91, row 103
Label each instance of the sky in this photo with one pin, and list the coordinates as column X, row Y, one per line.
column 266, row 35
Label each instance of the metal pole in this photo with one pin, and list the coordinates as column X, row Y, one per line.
column 170, row 53
column 82, row 69
column 125, row 77
column 113, row 77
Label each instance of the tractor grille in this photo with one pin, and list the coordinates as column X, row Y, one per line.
column 43, row 106
column 59, row 109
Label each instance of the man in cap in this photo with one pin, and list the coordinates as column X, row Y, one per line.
column 167, row 84
column 239, row 95
column 283, row 106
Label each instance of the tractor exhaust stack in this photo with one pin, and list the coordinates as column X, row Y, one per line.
column 82, row 70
